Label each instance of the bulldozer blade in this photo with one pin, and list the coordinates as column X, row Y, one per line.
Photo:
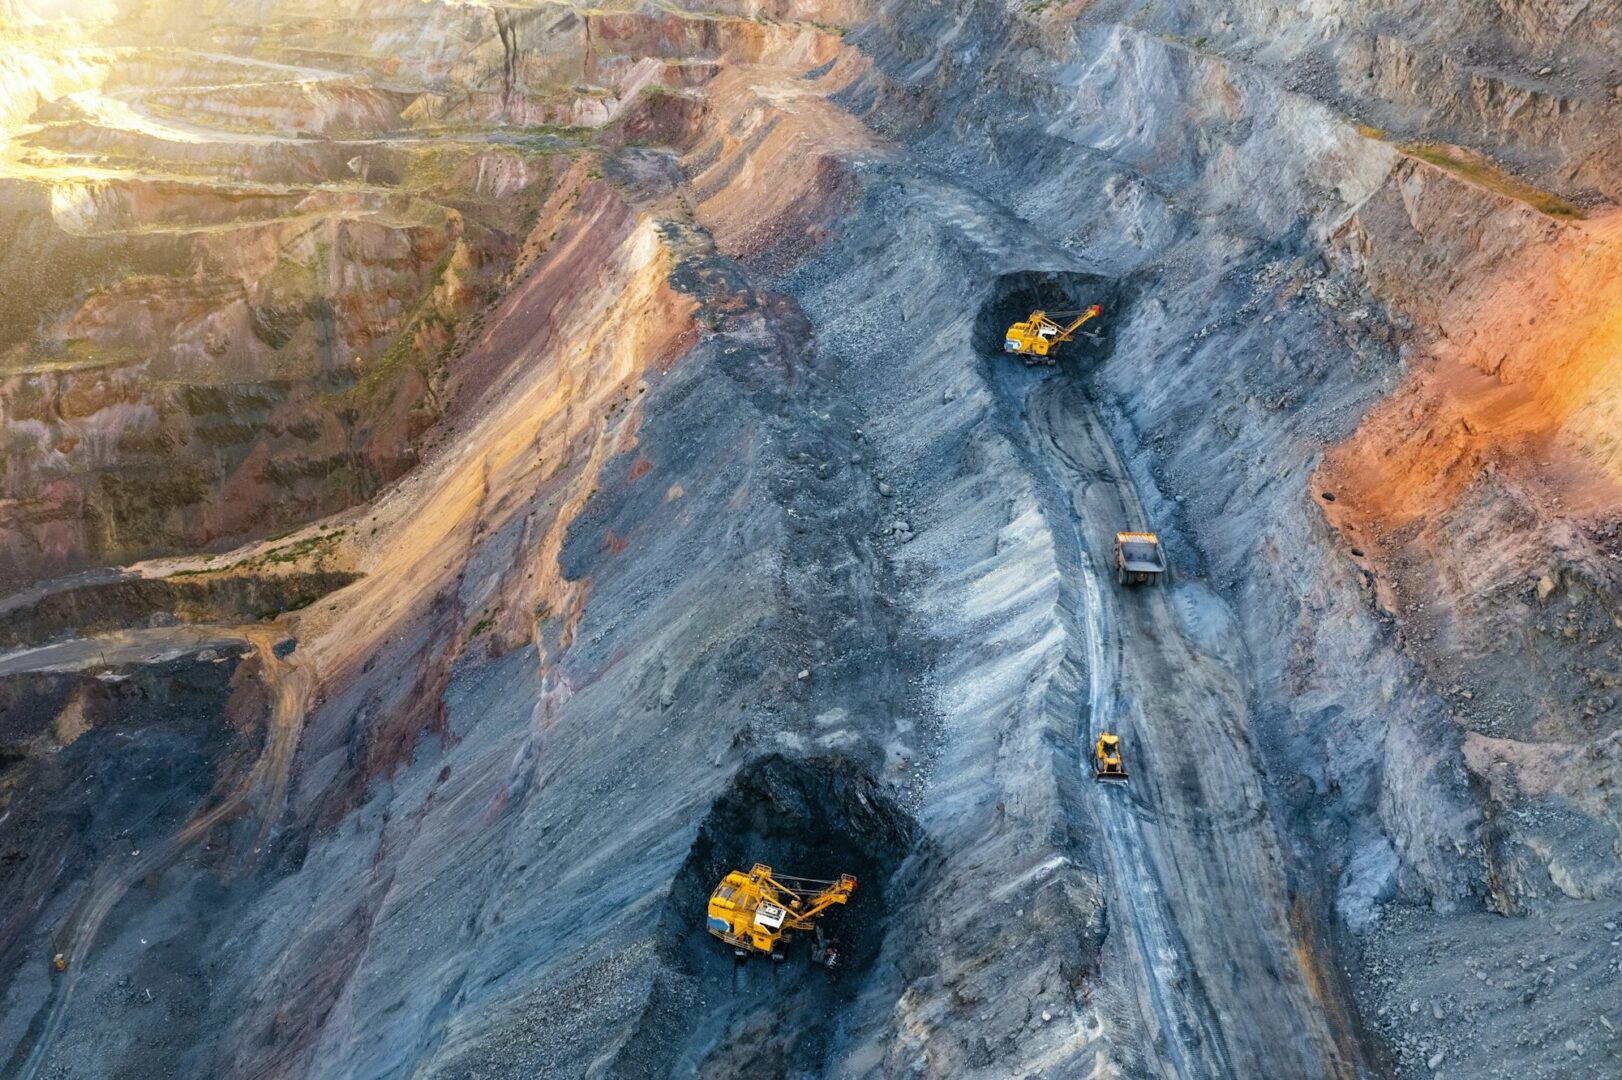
column 1109, row 778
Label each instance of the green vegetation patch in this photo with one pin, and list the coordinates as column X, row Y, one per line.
column 291, row 281
column 316, row 547
column 432, row 168
column 551, row 138
column 1200, row 44
column 1476, row 169
column 73, row 354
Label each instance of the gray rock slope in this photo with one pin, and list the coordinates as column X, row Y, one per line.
column 832, row 591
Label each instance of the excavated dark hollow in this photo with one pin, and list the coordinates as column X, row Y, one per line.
column 1012, row 297
column 818, row 818
column 815, row 818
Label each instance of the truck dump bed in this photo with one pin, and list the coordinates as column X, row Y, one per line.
column 1140, row 552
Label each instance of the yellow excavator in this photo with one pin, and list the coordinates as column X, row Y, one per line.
column 1107, row 766
column 753, row 912
column 1037, row 337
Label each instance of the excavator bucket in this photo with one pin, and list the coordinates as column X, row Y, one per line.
column 824, row 950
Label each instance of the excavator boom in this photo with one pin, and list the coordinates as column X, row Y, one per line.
column 1090, row 313
column 836, row 893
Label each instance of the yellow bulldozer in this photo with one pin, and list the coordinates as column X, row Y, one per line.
column 1037, row 337
column 754, row 911
column 1107, row 765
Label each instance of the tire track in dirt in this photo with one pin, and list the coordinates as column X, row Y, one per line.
column 1197, row 872
column 1186, row 1039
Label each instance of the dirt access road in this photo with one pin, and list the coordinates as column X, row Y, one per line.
column 1197, row 875
column 141, row 646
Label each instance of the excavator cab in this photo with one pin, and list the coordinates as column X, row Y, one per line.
column 1107, row 766
column 1038, row 336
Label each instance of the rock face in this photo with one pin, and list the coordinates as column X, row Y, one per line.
column 473, row 475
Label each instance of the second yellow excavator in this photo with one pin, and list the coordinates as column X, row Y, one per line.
column 1037, row 337
column 753, row 912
